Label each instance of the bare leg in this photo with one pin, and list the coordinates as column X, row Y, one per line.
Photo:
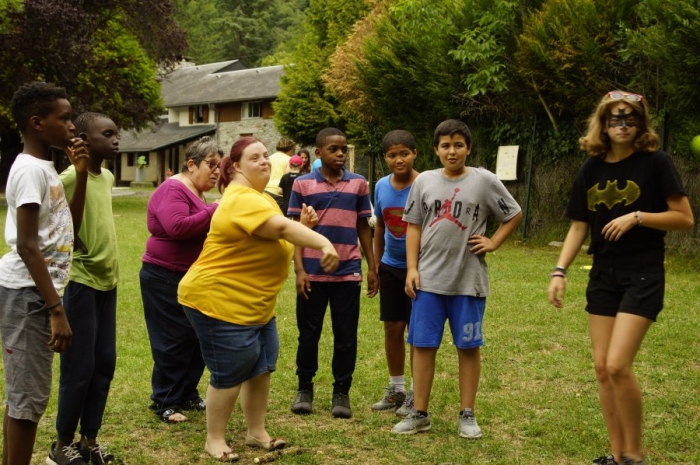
column 627, row 337
column 18, row 441
column 469, row 373
column 424, row 371
column 219, row 407
column 254, row 395
column 601, row 328
column 394, row 346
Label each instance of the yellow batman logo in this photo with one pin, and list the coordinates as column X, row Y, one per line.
column 612, row 195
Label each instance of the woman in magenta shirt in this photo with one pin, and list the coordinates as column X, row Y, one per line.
column 178, row 220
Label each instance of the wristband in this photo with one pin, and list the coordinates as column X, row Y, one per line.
column 560, row 268
column 638, row 216
column 54, row 305
column 558, row 274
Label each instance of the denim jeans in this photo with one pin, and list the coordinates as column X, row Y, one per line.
column 177, row 359
column 87, row 368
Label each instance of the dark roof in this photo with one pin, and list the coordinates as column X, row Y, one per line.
column 220, row 82
column 161, row 136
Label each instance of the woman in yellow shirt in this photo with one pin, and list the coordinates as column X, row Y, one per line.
column 229, row 295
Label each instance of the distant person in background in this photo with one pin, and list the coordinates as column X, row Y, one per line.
column 178, row 220
column 279, row 162
column 316, row 165
column 285, row 188
column 306, row 157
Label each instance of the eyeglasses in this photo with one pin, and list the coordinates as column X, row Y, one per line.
column 212, row 165
column 617, row 95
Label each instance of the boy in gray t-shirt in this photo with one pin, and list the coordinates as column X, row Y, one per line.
column 447, row 274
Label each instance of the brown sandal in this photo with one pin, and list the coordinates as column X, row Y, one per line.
column 227, row 456
column 272, row 444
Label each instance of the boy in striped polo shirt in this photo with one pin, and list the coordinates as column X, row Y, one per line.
column 341, row 200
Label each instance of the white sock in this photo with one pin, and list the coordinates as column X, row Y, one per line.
column 398, row 383
column 411, row 383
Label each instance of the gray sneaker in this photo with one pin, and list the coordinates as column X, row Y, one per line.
column 412, row 424
column 406, row 407
column 392, row 399
column 68, row 455
column 467, row 425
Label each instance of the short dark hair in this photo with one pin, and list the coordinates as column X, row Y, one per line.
column 34, row 99
column 451, row 127
column 398, row 137
column 285, row 144
column 84, row 120
column 323, row 134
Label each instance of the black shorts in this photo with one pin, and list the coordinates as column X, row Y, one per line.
column 632, row 284
column 394, row 304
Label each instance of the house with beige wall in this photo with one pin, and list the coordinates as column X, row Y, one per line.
column 224, row 100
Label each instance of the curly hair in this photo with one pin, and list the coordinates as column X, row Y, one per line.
column 83, row 121
column 34, row 99
column 596, row 141
column 285, row 144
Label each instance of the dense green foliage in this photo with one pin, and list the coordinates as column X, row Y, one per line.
column 105, row 53
column 219, row 30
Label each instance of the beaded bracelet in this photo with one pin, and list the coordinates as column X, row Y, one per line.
column 54, row 305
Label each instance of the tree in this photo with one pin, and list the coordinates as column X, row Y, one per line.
column 305, row 105
column 103, row 52
column 219, row 30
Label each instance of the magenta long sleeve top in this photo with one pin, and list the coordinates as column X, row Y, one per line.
column 178, row 221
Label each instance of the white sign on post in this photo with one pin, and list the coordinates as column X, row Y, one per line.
column 507, row 162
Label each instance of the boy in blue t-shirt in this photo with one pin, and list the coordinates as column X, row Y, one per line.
column 446, row 213
column 390, row 196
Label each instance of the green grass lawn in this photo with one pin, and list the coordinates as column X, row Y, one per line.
column 537, row 401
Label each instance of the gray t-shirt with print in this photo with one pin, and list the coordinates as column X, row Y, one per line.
column 449, row 212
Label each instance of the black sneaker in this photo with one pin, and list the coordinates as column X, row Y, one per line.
column 197, row 404
column 67, row 455
column 605, row 460
column 302, row 402
column 341, row 406
column 98, row 455
column 629, row 461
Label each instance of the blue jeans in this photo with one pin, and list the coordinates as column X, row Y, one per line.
column 87, row 368
column 344, row 298
column 177, row 359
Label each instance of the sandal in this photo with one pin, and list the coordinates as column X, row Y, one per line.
column 272, row 444
column 166, row 415
column 227, row 456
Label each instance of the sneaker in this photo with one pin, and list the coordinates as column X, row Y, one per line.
column 605, row 460
column 197, row 404
column 406, row 407
column 302, row 402
column 412, row 424
column 98, row 455
column 392, row 399
column 467, row 424
column 67, row 455
column 629, row 461
column 341, row 406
